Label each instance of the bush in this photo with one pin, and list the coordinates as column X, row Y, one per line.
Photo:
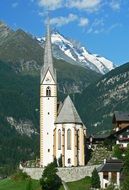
column 50, row 180
column 20, row 175
column 95, row 180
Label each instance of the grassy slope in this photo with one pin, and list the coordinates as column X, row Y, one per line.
column 83, row 184
column 9, row 184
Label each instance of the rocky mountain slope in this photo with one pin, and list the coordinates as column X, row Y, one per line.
column 74, row 53
column 98, row 101
column 25, row 55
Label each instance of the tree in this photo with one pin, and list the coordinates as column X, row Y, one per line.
column 50, row 180
column 95, row 180
column 117, row 152
column 126, row 162
column 125, row 184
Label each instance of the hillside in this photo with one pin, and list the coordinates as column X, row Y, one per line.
column 18, row 138
column 98, row 101
column 25, row 55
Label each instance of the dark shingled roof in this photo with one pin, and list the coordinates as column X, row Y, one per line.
column 111, row 166
column 120, row 116
column 68, row 113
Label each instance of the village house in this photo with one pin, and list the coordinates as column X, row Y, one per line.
column 110, row 172
column 120, row 120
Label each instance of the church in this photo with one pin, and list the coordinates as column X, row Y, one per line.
column 62, row 132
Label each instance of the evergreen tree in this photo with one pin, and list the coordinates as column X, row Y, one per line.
column 50, row 180
column 95, row 180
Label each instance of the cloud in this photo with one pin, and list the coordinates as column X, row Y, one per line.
column 89, row 5
column 60, row 21
column 115, row 4
column 50, row 4
column 97, row 26
column 41, row 13
column 83, row 21
column 15, row 4
column 113, row 26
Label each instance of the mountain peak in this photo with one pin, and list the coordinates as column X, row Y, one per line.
column 78, row 54
column 4, row 31
column 73, row 52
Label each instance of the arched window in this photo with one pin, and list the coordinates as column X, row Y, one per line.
column 59, row 139
column 48, row 91
column 78, row 139
column 69, row 161
column 69, row 139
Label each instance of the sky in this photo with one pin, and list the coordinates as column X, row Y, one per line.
column 102, row 26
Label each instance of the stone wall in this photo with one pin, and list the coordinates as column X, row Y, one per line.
column 66, row 174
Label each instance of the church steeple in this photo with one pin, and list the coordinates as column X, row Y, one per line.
column 48, row 58
column 48, row 103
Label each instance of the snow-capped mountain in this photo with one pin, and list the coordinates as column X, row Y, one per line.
column 74, row 53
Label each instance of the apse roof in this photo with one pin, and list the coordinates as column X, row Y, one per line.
column 68, row 113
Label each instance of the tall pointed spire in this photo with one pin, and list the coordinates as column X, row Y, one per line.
column 48, row 59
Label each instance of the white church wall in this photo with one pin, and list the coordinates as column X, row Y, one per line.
column 48, row 111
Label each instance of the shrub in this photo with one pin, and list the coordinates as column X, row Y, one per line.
column 50, row 180
column 95, row 180
column 20, row 175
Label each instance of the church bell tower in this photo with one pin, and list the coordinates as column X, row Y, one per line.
column 48, row 103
